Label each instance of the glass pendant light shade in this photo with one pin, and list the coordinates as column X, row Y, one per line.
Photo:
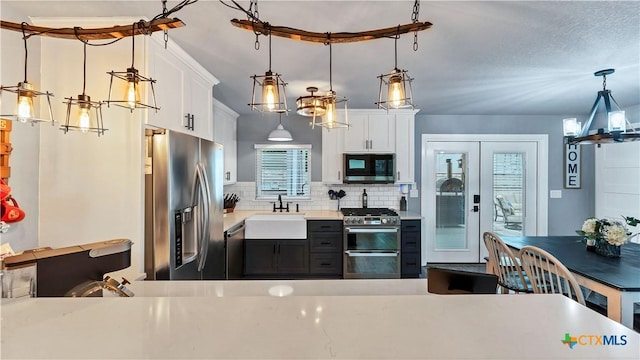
column 617, row 121
column 25, row 102
column 396, row 92
column 571, row 127
column 269, row 92
column 131, row 89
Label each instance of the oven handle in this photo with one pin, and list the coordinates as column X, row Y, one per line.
column 371, row 230
column 376, row 254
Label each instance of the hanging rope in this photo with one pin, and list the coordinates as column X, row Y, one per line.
column 24, row 37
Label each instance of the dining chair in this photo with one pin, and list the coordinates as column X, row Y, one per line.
column 506, row 265
column 549, row 275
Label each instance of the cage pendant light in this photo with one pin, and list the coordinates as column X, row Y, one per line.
column 26, row 95
column 618, row 129
column 132, row 88
column 273, row 97
column 397, row 85
column 88, row 115
column 331, row 101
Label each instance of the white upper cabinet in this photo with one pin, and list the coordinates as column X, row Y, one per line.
column 332, row 141
column 183, row 90
column 370, row 131
column 405, row 145
column 225, row 133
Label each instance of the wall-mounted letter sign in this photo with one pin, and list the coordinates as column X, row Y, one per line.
column 572, row 166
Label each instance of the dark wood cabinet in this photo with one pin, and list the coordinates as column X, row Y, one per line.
column 411, row 266
column 276, row 257
column 326, row 248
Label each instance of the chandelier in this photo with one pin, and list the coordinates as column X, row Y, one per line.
column 618, row 129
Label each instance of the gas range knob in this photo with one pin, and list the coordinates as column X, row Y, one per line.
column 384, row 221
column 360, row 221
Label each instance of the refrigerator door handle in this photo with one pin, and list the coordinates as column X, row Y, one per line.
column 196, row 193
column 206, row 202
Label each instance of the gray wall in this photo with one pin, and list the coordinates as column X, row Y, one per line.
column 254, row 129
column 565, row 214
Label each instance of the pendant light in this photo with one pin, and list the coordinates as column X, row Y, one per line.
column 618, row 129
column 280, row 134
column 26, row 95
column 397, row 85
column 331, row 101
column 131, row 88
column 311, row 105
column 273, row 95
column 83, row 120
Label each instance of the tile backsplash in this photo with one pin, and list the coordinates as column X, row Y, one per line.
column 378, row 195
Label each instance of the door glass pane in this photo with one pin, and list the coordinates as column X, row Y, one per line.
column 450, row 201
column 508, row 193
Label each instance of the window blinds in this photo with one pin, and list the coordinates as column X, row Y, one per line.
column 283, row 171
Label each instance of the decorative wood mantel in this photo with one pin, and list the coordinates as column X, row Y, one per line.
column 114, row 32
column 337, row 37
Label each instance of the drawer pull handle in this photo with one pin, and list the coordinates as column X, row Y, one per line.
column 325, row 264
column 325, row 243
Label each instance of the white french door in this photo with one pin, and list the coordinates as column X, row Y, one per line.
column 473, row 186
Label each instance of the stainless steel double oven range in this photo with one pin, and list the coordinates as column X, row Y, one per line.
column 371, row 243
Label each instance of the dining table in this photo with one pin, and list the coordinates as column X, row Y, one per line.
column 616, row 278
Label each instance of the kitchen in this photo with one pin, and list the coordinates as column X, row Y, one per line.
column 59, row 210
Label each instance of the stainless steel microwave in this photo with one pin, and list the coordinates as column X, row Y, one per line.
column 369, row 168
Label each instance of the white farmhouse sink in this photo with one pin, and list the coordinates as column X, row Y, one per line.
column 275, row 226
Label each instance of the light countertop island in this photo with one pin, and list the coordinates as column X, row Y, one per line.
column 314, row 325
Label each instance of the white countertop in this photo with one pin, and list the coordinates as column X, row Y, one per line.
column 233, row 218
column 307, row 327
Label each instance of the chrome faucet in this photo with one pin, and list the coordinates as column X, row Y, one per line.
column 280, row 207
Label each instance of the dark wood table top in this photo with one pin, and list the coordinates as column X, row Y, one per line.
column 621, row 273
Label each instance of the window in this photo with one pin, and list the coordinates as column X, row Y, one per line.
column 283, row 170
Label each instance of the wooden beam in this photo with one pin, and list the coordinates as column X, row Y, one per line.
column 338, row 37
column 114, row 32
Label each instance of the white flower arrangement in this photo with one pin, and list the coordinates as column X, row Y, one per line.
column 614, row 232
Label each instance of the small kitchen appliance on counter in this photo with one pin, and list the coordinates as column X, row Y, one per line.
column 55, row 272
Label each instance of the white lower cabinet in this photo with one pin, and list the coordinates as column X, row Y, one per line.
column 225, row 133
column 183, row 90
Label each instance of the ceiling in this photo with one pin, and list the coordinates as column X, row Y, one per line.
column 480, row 57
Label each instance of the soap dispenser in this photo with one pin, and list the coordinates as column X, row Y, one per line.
column 364, row 198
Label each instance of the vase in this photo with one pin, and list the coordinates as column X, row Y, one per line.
column 591, row 244
column 605, row 249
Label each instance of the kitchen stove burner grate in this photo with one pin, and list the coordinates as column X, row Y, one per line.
column 368, row 212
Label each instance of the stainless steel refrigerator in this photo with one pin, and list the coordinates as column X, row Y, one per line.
column 184, row 236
